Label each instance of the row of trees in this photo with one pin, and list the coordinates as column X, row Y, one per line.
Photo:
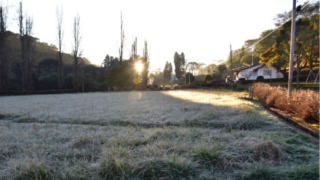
column 273, row 46
column 27, row 49
column 188, row 72
column 26, row 69
column 54, row 73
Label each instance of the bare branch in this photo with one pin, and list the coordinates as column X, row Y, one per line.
column 59, row 13
column 122, row 40
column 77, row 51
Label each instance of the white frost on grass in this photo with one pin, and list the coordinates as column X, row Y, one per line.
column 204, row 129
column 136, row 107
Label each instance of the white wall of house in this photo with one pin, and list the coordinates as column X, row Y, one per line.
column 255, row 71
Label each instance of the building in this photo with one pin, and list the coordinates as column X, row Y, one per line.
column 253, row 72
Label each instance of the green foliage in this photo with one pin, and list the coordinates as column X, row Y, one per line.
column 208, row 77
column 179, row 62
column 158, row 78
column 172, row 167
column 35, row 171
column 48, row 82
column 68, row 81
column 260, row 78
column 222, row 68
column 208, row 155
column 304, row 172
column 250, row 122
column 189, row 77
column 167, row 71
column 118, row 76
column 262, row 172
column 274, row 48
column 43, row 51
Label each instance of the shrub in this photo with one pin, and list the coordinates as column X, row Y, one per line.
column 271, row 99
column 105, row 86
column 167, row 87
column 302, row 103
column 242, row 80
column 189, row 77
column 208, row 77
column 175, row 86
column 260, row 78
column 261, row 91
column 152, row 88
column 240, row 87
column 48, row 82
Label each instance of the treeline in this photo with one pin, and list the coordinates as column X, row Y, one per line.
column 273, row 48
column 28, row 65
column 187, row 72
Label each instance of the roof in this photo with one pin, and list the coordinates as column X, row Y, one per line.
column 252, row 67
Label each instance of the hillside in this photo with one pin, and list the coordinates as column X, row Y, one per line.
column 42, row 51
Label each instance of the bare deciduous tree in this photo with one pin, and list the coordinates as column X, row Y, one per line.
column 4, row 60
column 122, row 41
column 27, row 50
column 146, row 63
column 60, row 51
column 134, row 50
column 23, row 66
column 77, row 52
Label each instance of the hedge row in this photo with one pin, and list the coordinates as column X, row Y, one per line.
column 301, row 103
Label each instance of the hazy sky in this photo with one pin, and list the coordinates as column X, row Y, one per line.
column 202, row 29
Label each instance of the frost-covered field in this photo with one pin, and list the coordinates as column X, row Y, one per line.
column 149, row 135
column 130, row 107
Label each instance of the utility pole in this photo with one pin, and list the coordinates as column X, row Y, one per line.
column 185, row 71
column 293, row 38
column 252, row 55
column 231, row 62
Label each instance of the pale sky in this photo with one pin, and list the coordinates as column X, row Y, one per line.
column 202, row 29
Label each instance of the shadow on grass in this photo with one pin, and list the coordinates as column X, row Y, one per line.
column 244, row 117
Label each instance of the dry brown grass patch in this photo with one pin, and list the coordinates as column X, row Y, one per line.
column 302, row 103
column 267, row 151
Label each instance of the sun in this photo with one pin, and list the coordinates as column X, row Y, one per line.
column 139, row 66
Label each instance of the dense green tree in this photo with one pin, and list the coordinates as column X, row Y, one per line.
column 48, row 82
column 222, row 68
column 179, row 63
column 211, row 68
column 208, row 77
column 189, row 77
column 167, row 71
column 4, row 58
column 273, row 46
column 118, row 76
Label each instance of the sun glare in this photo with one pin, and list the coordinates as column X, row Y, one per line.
column 139, row 66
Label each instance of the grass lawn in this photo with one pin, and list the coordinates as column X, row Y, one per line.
column 149, row 135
